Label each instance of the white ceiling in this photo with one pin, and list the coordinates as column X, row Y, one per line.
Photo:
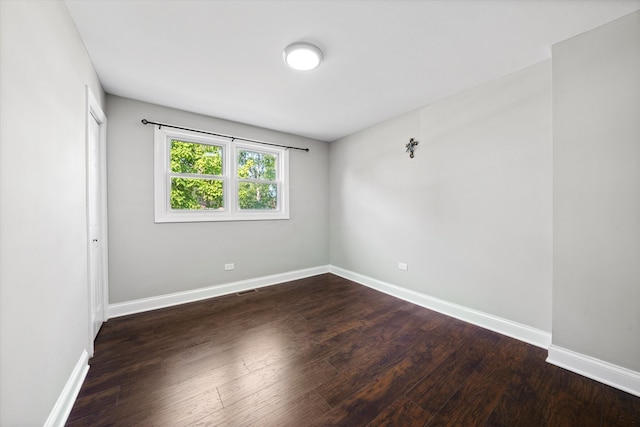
column 382, row 58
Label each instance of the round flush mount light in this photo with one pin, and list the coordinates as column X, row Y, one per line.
column 302, row 56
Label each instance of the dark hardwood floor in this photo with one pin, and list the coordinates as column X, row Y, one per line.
column 325, row 351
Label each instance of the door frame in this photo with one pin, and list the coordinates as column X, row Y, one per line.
column 94, row 112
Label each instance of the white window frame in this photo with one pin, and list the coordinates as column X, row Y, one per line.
column 230, row 148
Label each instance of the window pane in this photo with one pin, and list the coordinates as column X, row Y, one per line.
column 257, row 196
column 196, row 194
column 254, row 165
column 190, row 157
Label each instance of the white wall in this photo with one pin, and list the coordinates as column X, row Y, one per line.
column 470, row 214
column 596, row 193
column 148, row 259
column 43, row 246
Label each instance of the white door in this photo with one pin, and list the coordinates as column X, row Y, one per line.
column 97, row 259
column 96, row 285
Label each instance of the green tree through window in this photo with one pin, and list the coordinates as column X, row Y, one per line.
column 257, row 186
column 198, row 185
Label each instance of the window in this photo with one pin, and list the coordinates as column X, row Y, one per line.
column 205, row 178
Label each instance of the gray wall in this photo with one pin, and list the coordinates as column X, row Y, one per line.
column 148, row 259
column 596, row 193
column 470, row 214
column 43, row 250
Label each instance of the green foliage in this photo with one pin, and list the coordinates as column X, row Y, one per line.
column 261, row 167
column 201, row 159
column 195, row 193
column 256, row 171
column 252, row 165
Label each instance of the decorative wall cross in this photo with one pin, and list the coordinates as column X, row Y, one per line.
column 411, row 146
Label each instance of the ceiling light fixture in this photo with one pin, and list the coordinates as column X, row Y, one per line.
column 302, row 56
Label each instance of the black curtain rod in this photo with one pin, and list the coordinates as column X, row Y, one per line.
column 147, row 122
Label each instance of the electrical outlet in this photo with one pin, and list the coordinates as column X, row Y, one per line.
column 403, row 266
column 229, row 266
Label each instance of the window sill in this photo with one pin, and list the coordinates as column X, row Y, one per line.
column 208, row 217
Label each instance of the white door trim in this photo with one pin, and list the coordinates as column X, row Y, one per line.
column 94, row 112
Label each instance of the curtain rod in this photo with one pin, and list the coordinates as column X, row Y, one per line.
column 147, row 122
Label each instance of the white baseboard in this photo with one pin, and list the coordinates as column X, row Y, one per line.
column 64, row 404
column 506, row 327
column 162, row 301
column 596, row 369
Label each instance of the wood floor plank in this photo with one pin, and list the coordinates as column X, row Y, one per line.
column 433, row 391
column 283, row 412
column 278, row 400
column 526, row 399
column 99, row 379
column 87, row 402
column 402, row 412
column 374, row 398
column 250, row 383
column 619, row 409
column 287, row 372
column 481, row 392
column 183, row 412
column 363, row 365
column 163, row 386
column 326, row 351
column 574, row 400
column 308, row 352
